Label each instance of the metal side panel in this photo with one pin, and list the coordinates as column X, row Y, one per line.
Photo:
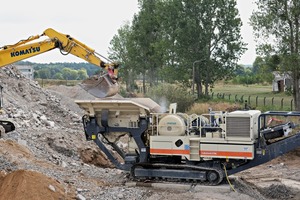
column 138, row 106
column 228, row 151
column 166, row 145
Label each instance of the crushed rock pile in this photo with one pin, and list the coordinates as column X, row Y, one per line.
column 48, row 139
column 31, row 106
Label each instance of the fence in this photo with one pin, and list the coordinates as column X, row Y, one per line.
column 255, row 101
column 45, row 82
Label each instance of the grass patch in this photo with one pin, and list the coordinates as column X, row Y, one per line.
column 257, row 96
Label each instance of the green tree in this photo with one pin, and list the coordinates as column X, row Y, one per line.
column 122, row 51
column 206, row 31
column 69, row 74
column 257, row 64
column 145, row 37
column 263, row 68
column 44, row 73
column 239, row 70
column 276, row 25
column 167, row 37
column 82, row 74
column 58, row 76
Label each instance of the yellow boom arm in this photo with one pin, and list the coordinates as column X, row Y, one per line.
column 65, row 43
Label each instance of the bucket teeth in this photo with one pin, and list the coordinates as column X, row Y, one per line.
column 100, row 86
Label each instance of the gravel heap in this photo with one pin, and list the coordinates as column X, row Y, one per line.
column 49, row 140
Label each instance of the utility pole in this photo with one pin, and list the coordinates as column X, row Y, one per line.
column 194, row 74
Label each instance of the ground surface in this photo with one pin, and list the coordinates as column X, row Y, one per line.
column 47, row 156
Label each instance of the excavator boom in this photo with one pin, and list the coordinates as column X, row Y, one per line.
column 101, row 86
column 14, row 53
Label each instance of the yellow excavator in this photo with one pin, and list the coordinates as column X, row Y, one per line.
column 99, row 86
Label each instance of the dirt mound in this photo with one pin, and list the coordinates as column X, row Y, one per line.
column 291, row 158
column 23, row 184
column 277, row 191
column 73, row 92
column 95, row 157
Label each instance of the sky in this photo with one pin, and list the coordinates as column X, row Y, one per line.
column 93, row 22
column 245, row 8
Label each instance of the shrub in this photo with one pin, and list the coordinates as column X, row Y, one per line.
column 202, row 108
column 164, row 94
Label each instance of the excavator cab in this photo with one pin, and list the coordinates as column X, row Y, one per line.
column 101, row 86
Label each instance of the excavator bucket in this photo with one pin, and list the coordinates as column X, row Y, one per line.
column 100, row 86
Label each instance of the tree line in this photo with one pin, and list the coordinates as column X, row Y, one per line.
column 172, row 40
column 180, row 41
column 260, row 72
column 62, row 71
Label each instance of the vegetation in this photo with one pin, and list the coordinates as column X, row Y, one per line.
column 62, row 71
column 259, row 73
column 164, row 94
column 166, row 38
column 202, row 108
column 259, row 94
column 276, row 24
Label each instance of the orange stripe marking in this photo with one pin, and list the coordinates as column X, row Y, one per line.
column 169, row 151
column 225, row 153
column 203, row 153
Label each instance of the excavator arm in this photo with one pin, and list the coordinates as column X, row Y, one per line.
column 70, row 45
column 102, row 86
column 24, row 49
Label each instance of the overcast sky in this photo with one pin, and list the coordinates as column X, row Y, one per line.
column 93, row 22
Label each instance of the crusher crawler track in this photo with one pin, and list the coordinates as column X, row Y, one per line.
column 175, row 172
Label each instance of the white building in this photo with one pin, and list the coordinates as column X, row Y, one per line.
column 281, row 82
column 26, row 70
